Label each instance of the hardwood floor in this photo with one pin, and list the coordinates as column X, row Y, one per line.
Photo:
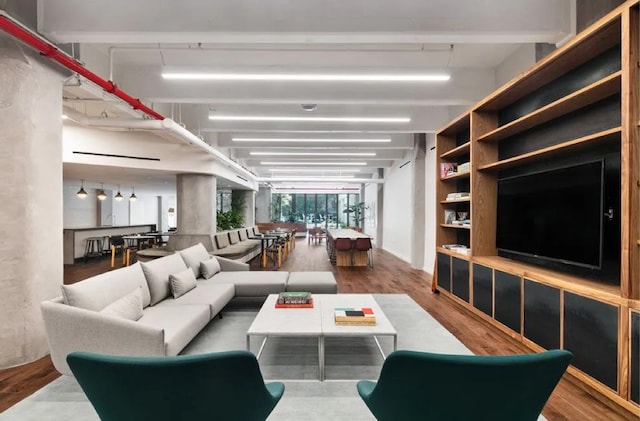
column 390, row 275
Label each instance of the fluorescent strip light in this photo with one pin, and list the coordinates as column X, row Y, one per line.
column 312, row 170
column 310, row 77
column 312, row 153
column 313, row 163
column 262, row 139
column 308, row 178
column 316, row 119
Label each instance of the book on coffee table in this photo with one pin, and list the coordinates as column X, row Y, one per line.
column 292, row 299
column 354, row 316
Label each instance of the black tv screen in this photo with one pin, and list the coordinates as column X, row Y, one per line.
column 553, row 215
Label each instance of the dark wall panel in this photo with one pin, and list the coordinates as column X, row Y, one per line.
column 507, row 294
column 635, row 357
column 542, row 314
column 591, row 334
column 483, row 289
column 460, row 278
column 444, row 271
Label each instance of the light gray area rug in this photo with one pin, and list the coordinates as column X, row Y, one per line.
column 294, row 361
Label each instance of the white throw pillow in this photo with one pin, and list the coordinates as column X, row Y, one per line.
column 182, row 282
column 210, row 267
column 128, row 307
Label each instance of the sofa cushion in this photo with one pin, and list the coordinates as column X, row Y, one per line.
column 242, row 232
column 215, row 295
column 222, row 240
column 182, row 282
column 253, row 284
column 192, row 257
column 209, row 267
column 157, row 273
column 128, row 307
column 99, row 291
column 234, row 237
column 180, row 323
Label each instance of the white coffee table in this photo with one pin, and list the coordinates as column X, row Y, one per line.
column 318, row 322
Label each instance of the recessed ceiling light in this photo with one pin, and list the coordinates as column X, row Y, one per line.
column 313, row 163
column 307, row 178
column 310, row 77
column 316, row 119
column 262, row 139
column 312, row 153
column 65, row 117
column 315, row 170
column 309, row 107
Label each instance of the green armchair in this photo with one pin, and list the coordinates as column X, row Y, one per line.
column 223, row 386
column 423, row 386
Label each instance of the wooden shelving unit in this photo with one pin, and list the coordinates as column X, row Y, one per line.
column 524, row 126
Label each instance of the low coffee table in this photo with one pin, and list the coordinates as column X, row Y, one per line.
column 318, row 322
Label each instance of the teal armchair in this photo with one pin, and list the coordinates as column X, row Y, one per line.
column 423, row 386
column 218, row 386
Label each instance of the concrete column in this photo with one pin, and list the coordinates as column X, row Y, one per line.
column 31, row 193
column 196, row 203
column 418, row 201
column 263, row 205
column 248, row 199
column 380, row 211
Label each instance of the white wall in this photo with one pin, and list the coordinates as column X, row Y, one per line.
column 79, row 213
column 371, row 212
column 430, row 206
column 398, row 213
column 144, row 210
column 519, row 61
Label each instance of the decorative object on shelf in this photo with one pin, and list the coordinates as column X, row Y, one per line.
column 462, row 216
column 458, row 196
column 293, row 297
column 118, row 195
column 101, row 194
column 465, row 166
column 449, row 216
column 133, row 196
column 81, row 193
column 447, row 169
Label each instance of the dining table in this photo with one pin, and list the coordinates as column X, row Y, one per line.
column 342, row 257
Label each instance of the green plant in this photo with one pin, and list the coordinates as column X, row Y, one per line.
column 358, row 212
column 233, row 218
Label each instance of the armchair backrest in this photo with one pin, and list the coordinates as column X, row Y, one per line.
column 425, row 386
column 224, row 385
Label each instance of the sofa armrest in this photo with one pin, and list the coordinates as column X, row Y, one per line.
column 229, row 265
column 76, row 329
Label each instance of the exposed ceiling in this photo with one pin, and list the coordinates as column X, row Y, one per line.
column 134, row 43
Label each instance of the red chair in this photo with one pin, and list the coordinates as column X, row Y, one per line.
column 344, row 245
column 364, row 244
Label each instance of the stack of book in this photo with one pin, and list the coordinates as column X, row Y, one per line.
column 294, row 300
column 350, row 316
column 458, row 195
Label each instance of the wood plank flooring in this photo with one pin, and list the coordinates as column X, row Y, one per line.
column 390, row 275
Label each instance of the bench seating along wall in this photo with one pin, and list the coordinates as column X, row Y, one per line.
column 300, row 227
column 236, row 244
column 82, row 318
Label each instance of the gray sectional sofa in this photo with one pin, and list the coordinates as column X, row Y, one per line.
column 152, row 308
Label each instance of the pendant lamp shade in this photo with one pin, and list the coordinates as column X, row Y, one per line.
column 118, row 195
column 133, row 196
column 81, row 193
column 101, row 194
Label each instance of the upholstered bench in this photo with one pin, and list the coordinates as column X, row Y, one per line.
column 314, row 282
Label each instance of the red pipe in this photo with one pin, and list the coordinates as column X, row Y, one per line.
column 51, row 51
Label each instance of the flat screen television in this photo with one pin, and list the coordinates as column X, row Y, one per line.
column 553, row 218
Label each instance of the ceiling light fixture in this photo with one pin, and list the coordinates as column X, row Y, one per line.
column 133, row 196
column 314, row 119
column 101, row 194
column 81, row 193
column 310, row 77
column 313, row 163
column 309, row 107
column 119, row 196
column 65, row 117
column 315, row 170
column 312, row 153
column 262, row 139
column 307, row 178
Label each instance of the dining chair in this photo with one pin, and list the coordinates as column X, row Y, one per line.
column 117, row 244
column 345, row 246
column 223, row 385
column 424, row 386
column 364, row 245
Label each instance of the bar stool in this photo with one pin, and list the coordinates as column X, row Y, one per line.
column 92, row 248
column 117, row 243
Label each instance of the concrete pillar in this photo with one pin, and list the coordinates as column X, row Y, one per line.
column 31, row 193
column 196, row 203
column 380, row 211
column 248, row 200
column 418, row 201
column 263, row 204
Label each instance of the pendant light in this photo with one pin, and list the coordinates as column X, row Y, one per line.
column 133, row 196
column 101, row 194
column 119, row 196
column 81, row 193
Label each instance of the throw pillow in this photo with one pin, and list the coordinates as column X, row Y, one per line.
column 182, row 282
column 210, row 267
column 128, row 307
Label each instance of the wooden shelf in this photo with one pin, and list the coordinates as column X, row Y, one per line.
column 464, row 174
column 464, row 200
column 462, row 122
column 581, row 98
column 606, row 135
column 453, row 253
column 464, row 227
column 458, row 151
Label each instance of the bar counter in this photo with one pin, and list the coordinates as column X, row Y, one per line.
column 74, row 238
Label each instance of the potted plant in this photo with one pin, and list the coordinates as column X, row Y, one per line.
column 358, row 213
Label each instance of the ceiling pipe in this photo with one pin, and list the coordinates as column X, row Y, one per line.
column 19, row 31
